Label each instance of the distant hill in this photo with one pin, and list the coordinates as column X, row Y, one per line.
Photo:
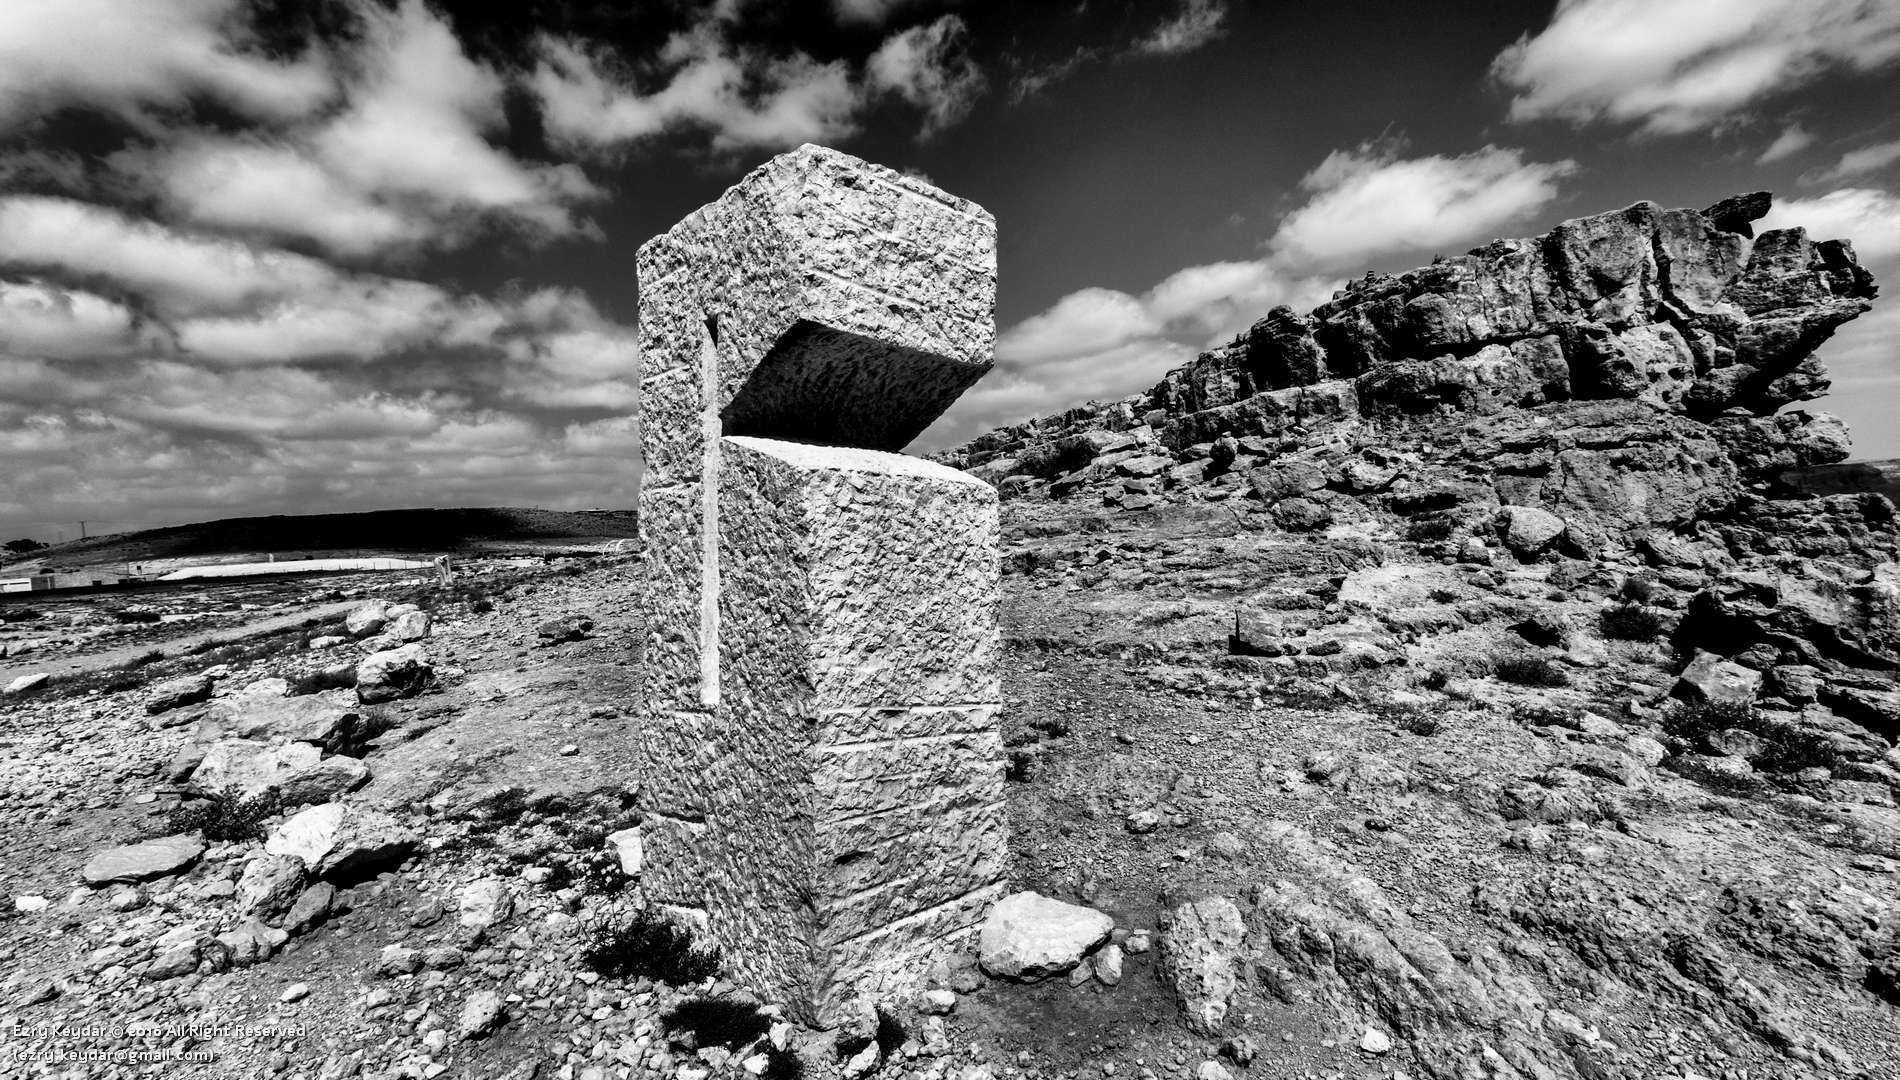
column 436, row 531
column 1878, row 476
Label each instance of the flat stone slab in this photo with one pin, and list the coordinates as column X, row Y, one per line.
column 333, row 838
column 27, row 682
column 1030, row 936
column 143, row 862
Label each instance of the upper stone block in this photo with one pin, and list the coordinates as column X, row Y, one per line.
column 849, row 304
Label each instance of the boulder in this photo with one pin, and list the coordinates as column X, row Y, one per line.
column 1735, row 213
column 485, row 902
column 26, row 683
column 565, row 629
column 333, row 839
column 143, row 861
column 252, row 942
column 1528, row 531
column 269, row 885
column 242, row 767
column 323, row 782
column 176, row 693
column 1029, row 936
column 392, row 674
column 312, row 906
column 481, row 1014
column 367, row 620
column 409, row 626
column 1199, row 955
column 1301, row 515
column 1709, row 678
column 628, row 847
column 328, row 721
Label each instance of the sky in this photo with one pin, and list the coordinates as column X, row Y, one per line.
column 304, row 256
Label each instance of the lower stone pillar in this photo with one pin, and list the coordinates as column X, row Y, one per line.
column 830, row 813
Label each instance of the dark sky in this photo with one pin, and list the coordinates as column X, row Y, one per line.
column 305, row 257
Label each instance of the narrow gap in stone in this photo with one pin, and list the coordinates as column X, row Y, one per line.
column 709, row 516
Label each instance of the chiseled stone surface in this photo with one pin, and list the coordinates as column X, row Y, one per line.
column 822, row 760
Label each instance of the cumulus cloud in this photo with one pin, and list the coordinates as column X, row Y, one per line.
column 179, row 273
column 743, row 99
column 1674, row 66
column 928, row 67
column 46, row 320
column 871, row 12
column 1367, row 202
column 1194, row 24
column 1870, row 217
column 1792, row 140
column 129, row 57
column 1102, row 344
column 406, row 162
column 156, row 371
column 272, row 381
column 1859, row 162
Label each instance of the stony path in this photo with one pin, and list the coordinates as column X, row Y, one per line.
column 68, row 664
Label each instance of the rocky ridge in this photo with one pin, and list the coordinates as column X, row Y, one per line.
column 1624, row 372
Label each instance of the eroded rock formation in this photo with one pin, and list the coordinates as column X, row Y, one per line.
column 1625, row 372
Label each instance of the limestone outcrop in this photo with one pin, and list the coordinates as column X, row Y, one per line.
column 1625, row 372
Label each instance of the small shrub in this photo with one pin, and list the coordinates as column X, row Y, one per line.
column 224, row 816
column 1631, row 622
column 1436, row 679
column 122, row 684
column 1714, row 779
column 1053, row 726
column 1429, row 530
column 642, row 945
column 1694, row 721
column 1638, row 588
column 1523, row 669
column 1542, row 715
column 1022, row 765
column 598, row 873
column 1442, row 596
column 1790, row 752
column 482, row 606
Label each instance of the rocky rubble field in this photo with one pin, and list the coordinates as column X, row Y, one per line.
column 1429, row 733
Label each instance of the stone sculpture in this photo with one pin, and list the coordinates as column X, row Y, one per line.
column 821, row 754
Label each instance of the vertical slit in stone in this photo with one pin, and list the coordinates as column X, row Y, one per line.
column 709, row 516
